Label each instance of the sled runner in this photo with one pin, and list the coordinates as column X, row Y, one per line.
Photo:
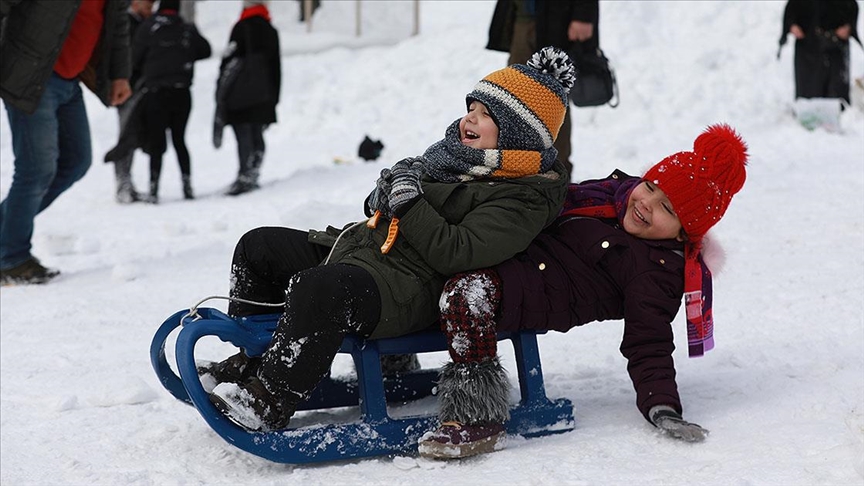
column 376, row 433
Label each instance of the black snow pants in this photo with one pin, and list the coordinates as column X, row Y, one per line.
column 322, row 305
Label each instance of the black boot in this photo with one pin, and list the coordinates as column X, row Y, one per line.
column 187, row 188
column 153, row 197
column 235, row 369
column 251, row 405
column 243, row 184
column 473, row 401
column 126, row 192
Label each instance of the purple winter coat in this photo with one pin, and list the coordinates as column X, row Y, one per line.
column 583, row 269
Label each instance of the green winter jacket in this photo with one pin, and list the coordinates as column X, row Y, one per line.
column 454, row 227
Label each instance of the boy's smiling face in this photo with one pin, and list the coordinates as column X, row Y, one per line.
column 650, row 214
column 477, row 129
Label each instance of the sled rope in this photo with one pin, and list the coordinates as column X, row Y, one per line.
column 193, row 311
column 327, row 260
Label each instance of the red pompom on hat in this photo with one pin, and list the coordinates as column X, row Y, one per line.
column 700, row 185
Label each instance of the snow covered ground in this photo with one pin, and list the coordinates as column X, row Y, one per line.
column 783, row 392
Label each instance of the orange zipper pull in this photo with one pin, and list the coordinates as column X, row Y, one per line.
column 372, row 222
column 392, row 231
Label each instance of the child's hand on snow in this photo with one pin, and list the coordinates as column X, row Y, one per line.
column 673, row 424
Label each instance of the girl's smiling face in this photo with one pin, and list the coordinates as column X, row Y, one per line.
column 650, row 214
column 477, row 129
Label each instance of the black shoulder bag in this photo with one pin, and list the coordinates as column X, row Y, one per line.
column 595, row 80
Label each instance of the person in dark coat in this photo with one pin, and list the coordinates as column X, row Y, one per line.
column 139, row 10
column 165, row 49
column 252, row 34
column 474, row 199
column 46, row 48
column 822, row 29
column 623, row 248
column 520, row 27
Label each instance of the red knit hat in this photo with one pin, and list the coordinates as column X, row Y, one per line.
column 700, row 185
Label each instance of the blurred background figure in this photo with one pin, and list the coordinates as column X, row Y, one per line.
column 139, row 10
column 164, row 50
column 46, row 47
column 521, row 27
column 250, row 77
column 311, row 5
column 822, row 29
column 187, row 10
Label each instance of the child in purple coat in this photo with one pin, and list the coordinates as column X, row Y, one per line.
column 623, row 248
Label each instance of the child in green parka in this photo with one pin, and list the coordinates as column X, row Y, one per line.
column 473, row 199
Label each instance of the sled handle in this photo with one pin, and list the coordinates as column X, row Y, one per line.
column 228, row 331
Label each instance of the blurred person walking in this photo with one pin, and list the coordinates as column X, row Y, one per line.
column 139, row 10
column 248, row 90
column 165, row 49
column 46, row 47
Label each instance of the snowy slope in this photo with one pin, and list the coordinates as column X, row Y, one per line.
column 783, row 393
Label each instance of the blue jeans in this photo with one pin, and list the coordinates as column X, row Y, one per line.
column 52, row 150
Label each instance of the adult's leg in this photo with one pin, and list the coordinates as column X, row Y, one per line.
column 157, row 117
column 36, row 146
column 181, row 106
column 125, row 189
column 73, row 135
column 837, row 84
column 250, row 150
column 563, row 142
column 810, row 74
column 524, row 43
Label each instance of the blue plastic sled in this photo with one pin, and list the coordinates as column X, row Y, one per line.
column 375, row 433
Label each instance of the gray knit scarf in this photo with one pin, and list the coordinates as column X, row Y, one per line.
column 449, row 160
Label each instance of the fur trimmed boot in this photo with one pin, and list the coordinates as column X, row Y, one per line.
column 473, row 401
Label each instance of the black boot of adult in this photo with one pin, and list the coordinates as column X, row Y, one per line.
column 155, row 172
column 187, row 187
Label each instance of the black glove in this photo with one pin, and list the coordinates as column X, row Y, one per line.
column 378, row 199
column 405, row 183
column 671, row 422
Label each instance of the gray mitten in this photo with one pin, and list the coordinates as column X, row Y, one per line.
column 405, row 183
column 378, row 199
column 671, row 422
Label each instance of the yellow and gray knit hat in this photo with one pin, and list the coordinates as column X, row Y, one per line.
column 528, row 101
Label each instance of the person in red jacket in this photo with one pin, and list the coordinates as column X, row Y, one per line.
column 47, row 49
column 623, row 248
